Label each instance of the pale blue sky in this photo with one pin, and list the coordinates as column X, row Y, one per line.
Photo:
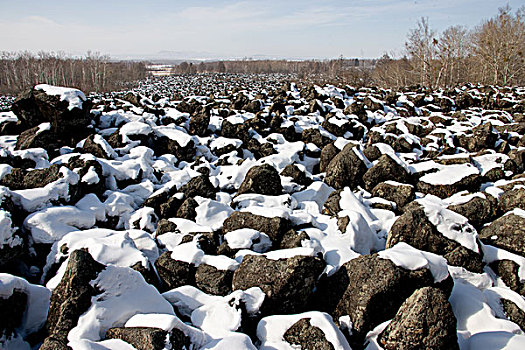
column 291, row 29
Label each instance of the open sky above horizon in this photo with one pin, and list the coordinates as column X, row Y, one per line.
column 227, row 29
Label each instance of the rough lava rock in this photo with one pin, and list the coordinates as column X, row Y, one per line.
column 415, row 229
column 370, row 290
column 425, row 320
column 288, row 283
column 345, row 169
column 507, row 232
column 262, row 179
column 72, row 296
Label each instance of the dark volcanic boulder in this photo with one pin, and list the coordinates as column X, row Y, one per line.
column 199, row 186
column 507, row 232
column 262, row 179
column 198, row 125
column 142, row 338
column 424, row 321
column 483, row 137
column 165, row 145
column 345, row 169
column 72, row 296
column 308, row 337
column 37, row 138
column 508, row 271
column 92, row 147
column 370, row 290
column 170, row 208
column 20, row 179
column 440, row 184
column 415, row 229
column 514, row 313
column 213, row 281
column 275, row 228
column 478, row 210
column 35, row 106
column 187, row 210
column 313, row 135
column 296, row 174
column 175, row 273
column 287, row 283
column 385, row 169
column 398, row 193
column 327, row 154
column 514, row 198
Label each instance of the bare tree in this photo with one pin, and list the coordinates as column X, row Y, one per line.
column 421, row 49
column 452, row 50
column 499, row 45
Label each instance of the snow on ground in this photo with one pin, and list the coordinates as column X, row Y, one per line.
column 114, row 205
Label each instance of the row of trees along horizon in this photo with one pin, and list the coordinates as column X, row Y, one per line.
column 491, row 53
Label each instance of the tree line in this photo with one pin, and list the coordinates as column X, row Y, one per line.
column 491, row 53
column 92, row 73
column 250, row 66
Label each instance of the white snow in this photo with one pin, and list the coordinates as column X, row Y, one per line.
column 271, row 329
column 450, row 174
column 124, row 294
column 450, row 224
column 120, row 248
column 248, row 239
column 38, row 198
column 74, row 97
column 410, row 258
column 35, row 314
column 7, row 232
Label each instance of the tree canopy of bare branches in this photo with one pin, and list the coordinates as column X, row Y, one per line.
column 491, row 53
column 94, row 72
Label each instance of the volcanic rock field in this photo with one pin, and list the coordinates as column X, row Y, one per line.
column 222, row 211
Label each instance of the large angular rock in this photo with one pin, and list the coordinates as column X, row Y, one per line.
column 398, row 193
column 483, row 137
column 345, row 169
column 35, row 106
column 308, row 337
column 328, row 153
column 370, row 290
column 175, row 273
column 142, row 338
column 199, row 186
column 508, row 271
column 187, row 210
column 198, row 125
column 469, row 183
column 296, row 174
column 514, row 198
column 415, row 229
column 275, row 227
column 385, row 169
column 507, row 232
column 478, row 210
column 262, row 179
column 165, row 145
column 72, row 296
column 37, row 138
column 514, row 313
column 20, row 179
column 287, row 283
column 424, row 321
column 213, row 281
